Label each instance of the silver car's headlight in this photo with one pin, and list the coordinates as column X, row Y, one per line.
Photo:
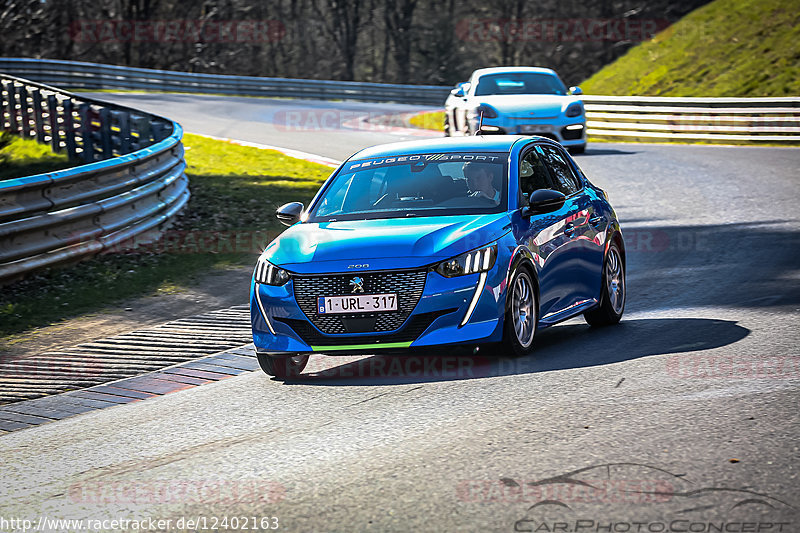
column 268, row 274
column 574, row 109
column 481, row 260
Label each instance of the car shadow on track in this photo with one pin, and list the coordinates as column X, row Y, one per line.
column 558, row 348
column 604, row 151
column 748, row 265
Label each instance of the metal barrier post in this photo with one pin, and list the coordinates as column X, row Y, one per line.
column 25, row 119
column 124, row 132
column 55, row 134
column 38, row 117
column 105, row 133
column 86, row 133
column 69, row 129
column 11, row 101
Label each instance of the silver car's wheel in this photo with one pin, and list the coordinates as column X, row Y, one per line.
column 522, row 311
column 612, row 295
column 615, row 281
column 521, row 314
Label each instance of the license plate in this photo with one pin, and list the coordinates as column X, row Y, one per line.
column 528, row 128
column 357, row 303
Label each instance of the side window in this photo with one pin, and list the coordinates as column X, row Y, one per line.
column 532, row 175
column 564, row 179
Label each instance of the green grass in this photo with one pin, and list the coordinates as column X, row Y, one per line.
column 725, row 48
column 25, row 157
column 234, row 189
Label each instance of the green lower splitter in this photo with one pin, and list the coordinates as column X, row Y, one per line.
column 361, row 346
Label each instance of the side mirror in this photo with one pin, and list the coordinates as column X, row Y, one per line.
column 544, row 201
column 289, row 213
column 461, row 89
column 575, row 91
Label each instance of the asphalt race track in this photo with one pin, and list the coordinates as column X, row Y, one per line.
column 683, row 416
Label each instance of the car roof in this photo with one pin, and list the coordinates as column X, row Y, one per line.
column 477, row 143
column 502, row 70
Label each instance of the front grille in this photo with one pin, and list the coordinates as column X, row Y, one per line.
column 407, row 285
column 412, row 330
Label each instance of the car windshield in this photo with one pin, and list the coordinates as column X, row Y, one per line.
column 415, row 186
column 519, row 83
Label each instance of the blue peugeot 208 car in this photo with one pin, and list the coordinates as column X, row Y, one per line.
column 460, row 241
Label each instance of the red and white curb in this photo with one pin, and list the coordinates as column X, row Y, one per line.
column 386, row 124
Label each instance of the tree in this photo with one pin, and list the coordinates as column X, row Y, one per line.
column 398, row 18
column 342, row 21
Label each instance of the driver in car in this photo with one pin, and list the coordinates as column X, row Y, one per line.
column 480, row 179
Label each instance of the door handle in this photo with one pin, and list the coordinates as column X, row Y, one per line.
column 597, row 220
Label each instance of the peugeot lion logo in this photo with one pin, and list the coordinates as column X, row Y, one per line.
column 357, row 284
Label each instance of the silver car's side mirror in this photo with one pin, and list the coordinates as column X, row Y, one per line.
column 575, row 91
column 460, row 90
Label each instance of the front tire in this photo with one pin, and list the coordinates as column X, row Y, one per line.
column 282, row 367
column 446, row 125
column 612, row 296
column 574, row 150
column 466, row 130
column 522, row 314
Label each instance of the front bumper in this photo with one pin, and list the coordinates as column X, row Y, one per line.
column 567, row 131
column 280, row 326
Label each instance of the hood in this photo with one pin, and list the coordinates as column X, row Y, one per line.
column 522, row 105
column 382, row 244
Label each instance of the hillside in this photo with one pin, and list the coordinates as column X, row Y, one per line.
column 725, row 48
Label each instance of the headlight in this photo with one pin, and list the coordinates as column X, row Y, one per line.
column 469, row 263
column 574, row 110
column 269, row 274
column 487, row 110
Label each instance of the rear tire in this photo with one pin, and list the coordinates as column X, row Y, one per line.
column 522, row 314
column 612, row 295
column 282, row 367
column 446, row 125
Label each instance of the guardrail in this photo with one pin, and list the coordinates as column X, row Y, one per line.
column 132, row 181
column 76, row 74
column 774, row 120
